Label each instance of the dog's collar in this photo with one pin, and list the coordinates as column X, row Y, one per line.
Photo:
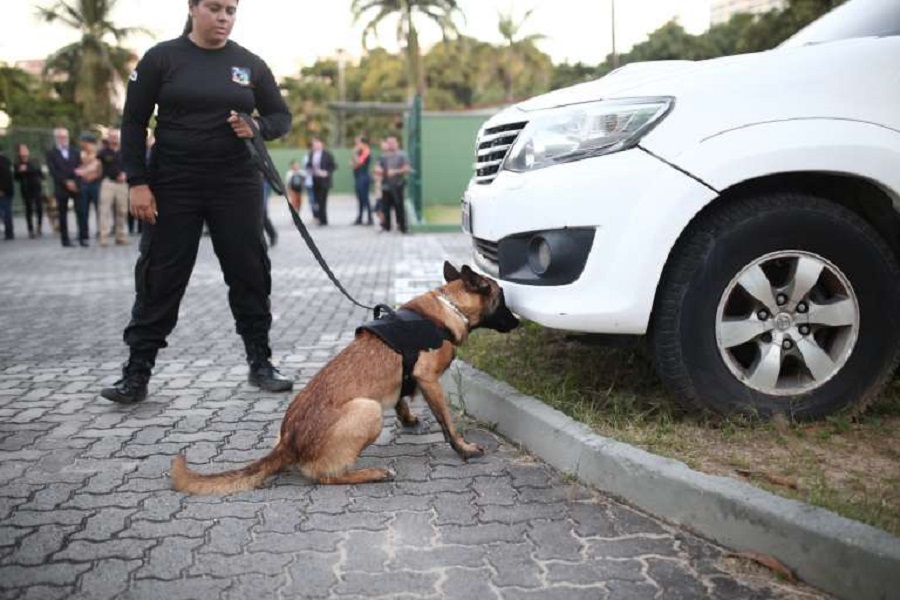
column 452, row 306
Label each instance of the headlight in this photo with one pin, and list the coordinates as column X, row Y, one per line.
column 581, row 131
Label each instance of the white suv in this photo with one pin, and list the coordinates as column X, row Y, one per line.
column 742, row 212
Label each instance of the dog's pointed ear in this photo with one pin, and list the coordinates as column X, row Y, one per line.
column 473, row 281
column 450, row 272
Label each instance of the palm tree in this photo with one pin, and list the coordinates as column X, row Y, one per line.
column 518, row 51
column 441, row 12
column 90, row 71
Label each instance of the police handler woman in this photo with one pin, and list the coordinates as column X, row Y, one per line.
column 199, row 170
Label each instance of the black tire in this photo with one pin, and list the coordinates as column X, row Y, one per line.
column 713, row 251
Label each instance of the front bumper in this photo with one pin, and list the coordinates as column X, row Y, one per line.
column 635, row 207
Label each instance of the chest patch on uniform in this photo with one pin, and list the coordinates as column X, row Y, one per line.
column 240, row 75
column 407, row 333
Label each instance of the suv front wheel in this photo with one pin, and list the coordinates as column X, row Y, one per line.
column 781, row 303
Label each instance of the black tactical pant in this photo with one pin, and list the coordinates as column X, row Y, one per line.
column 168, row 250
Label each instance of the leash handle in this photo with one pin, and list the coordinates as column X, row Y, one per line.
column 260, row 156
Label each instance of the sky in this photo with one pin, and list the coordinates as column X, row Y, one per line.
column 289, row 34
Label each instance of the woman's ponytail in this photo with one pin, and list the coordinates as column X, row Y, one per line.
column 189, row 26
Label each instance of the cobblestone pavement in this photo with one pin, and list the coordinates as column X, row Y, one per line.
column 85, row 505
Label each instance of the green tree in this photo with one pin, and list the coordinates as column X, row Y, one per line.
column 406, row 12
column 520, row 53
column 567, row 74
column 91, row 69
column 29, row 101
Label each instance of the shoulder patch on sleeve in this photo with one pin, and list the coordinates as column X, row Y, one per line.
column 133, row 76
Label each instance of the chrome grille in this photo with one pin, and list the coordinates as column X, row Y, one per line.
column 489, row 250
column 491, row 150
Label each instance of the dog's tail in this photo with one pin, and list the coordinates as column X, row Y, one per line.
column 237, row 480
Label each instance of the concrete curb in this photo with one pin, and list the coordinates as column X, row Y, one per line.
column 840, row 556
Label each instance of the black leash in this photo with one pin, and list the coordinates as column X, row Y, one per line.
column 263, row 161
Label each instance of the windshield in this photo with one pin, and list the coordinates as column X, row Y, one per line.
column 853, row 19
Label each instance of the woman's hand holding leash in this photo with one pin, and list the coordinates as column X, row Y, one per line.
column 241, row 128
column 142, row 204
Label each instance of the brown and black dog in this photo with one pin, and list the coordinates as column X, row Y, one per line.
column 338, row 413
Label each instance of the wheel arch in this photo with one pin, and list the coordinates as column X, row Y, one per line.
column 874, row 203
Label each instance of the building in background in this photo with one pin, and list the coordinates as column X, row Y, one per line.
column 722, row 10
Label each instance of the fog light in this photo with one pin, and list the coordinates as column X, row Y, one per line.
column 539, row 255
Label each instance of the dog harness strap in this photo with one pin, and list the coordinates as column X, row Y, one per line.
column 407, row 333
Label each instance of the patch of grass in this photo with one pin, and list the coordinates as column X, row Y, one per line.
column 847, row 464
column 442, row 214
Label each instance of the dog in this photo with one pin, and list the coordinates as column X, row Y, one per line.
column 339, row 413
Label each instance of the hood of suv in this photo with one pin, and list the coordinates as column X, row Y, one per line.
column 632, row 79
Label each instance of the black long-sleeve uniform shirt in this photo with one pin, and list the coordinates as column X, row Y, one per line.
column 196, row 89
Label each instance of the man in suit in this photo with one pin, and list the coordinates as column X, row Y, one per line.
column 6, row 196
column 321, row 164
column 62, row 160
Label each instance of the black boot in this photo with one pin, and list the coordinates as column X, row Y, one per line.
column 132, row 388
column 262, row 374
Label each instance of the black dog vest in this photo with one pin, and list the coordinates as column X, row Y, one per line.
column 407, row 333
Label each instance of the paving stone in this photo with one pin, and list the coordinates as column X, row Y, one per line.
column 494, row 491
column 228, row 536
column 345, row 522
column 392, row 503
column 554, row 540
column 413, row 529
column 306, row 541
column 222, row 565
column 170, row 559
column 161, row 529
column 595, row 571
column 203, row 510
column 257, row 586
column 84, row 551
column 628, row 590
column 55, row 574
column 483, row 534
column 592, row 520
column 312, row 576
column 521, row 513
column 108, row 580
column 676, row 582
column 51, row 496
column 455, row 509
column 46, row 592
column 468, row 584
column 105, row 524
column 40, row 544
column 631, row 547
column 389, row 584
column 366, row 551
column 559, row 592
column 422, row 559
column 514, row 565
column 182, row 589
column 35, row 518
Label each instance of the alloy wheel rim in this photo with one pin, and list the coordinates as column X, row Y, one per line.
column 787, row 323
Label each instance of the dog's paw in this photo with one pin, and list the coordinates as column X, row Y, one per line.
column 389, row 475
column 410, row 420
column 467, row 450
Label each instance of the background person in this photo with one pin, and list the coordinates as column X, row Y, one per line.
column 199, row 172
column 89, row 175
column 393, row 165
column 322, row 166
column 294, row 182
column 62, row 160
column 6, row 196
column 362, row 158
column 113, row 190
column 30, row 176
